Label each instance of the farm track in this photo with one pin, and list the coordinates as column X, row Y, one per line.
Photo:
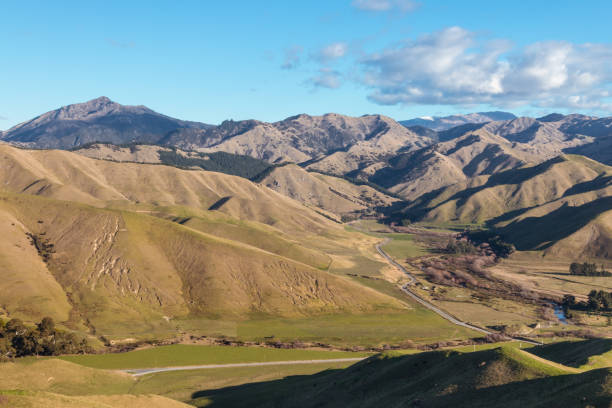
column 137, row 372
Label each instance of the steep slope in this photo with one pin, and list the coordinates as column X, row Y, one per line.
column 446, row 122
column 582, row 231
column 127, row 274
column 332, row 194
column 473, row 154
column 330, row 143
column 161, row 253
column 69, row 176
column 97, row 120
column 243, row 166
column 566, row 179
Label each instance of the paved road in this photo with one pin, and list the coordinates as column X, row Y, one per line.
column 431, row 306
column 406, row 289
column 144, row 371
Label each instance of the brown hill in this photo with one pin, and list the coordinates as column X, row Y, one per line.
column 551, row 183
column 125, row 249
column 473, row 154
column 332, row 194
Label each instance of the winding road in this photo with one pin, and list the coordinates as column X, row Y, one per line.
column 137, row 372
column 412, row 280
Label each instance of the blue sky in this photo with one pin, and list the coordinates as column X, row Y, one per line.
column 210, row 60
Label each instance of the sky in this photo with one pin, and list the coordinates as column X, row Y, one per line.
column 209, row 61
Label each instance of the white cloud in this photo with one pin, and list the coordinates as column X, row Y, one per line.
column 385, row 5
column 333, row 51
column 454, row 66
column 292, row 57
column 326, row 78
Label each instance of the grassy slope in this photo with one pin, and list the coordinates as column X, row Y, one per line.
column 514, row 190
column 62, row 377
column 28, row 399
column 126, row 270
column 585, row 354
column 69, row 176
column 331, row 194
column 434, row 379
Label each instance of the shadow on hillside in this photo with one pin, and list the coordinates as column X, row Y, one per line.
column 512, row 177
column 597, row 183
column 431, row 379
column 542, row 232
column 573, row 353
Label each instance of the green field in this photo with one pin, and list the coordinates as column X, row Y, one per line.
column 181, row 354
column 403, row 246
column 419, row 325
column 181, row 385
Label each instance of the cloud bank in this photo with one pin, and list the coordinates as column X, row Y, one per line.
column 455, row 66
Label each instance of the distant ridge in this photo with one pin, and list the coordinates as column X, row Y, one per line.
column 99, row 119
column 446, row 122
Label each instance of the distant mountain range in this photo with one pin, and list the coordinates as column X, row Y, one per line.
column 409, row 158
column 438, row 123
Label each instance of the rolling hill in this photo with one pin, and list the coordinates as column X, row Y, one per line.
column 458, row 160
column 243, row 166
column 501, row 377
column 562, row 206
column 332, row 194
column 122, row 249
column 563, row 179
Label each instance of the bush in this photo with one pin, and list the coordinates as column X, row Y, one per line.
column 496, row 243
column 460, row 247
column 18, row 340
column 587, row 269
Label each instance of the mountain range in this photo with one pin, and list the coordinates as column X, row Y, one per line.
column 492, row 167
column 439, row 123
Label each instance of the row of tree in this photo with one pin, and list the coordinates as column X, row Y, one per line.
column 587, row 269
column 460, row 247
column 599, row 300
column 44, row 339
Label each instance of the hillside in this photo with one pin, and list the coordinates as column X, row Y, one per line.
column 69, row 176
column 331, row 143
column 501, row 377
column 334, row 195
column 458, row 160
column 570, row 179
column 243, row 166
column 97, row 120
column 160, row 252
column 57, row 383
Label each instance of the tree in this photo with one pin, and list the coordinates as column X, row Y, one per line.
column 15, row 327
column 46, row 326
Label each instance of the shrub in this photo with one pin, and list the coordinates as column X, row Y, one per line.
column 18, row 340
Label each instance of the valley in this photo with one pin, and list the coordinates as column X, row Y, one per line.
column 358, row 257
